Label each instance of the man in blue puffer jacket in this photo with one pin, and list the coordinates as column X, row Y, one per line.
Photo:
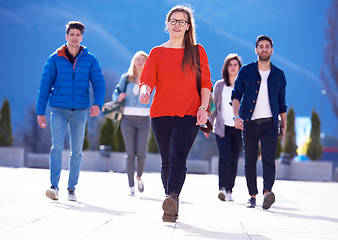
column 66, row 84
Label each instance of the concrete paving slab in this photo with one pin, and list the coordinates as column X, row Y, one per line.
column 303, row 210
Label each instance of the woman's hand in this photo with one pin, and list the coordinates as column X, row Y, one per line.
column 202, row 116
column 144, row 94
column 121, row 97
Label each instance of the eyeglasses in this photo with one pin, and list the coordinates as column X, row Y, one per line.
column 181, row 22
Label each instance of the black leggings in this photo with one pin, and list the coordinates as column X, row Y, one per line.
column 229, row 148
column 175, row 137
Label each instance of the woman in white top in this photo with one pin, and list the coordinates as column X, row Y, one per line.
column 228, row 138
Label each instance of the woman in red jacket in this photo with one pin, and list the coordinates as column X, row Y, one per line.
column 177, row 109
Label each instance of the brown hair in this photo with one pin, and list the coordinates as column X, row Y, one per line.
column 75, row 25
column 225, row 73
column 189, row 40
column 264, row 37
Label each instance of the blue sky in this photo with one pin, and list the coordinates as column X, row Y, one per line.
column 32, row 30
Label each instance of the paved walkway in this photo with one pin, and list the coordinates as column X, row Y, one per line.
column 303, row 210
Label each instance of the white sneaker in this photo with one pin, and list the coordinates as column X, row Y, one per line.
column 140, row 185
column 52, row 193
column 132, row 191
column 222, row 194
column 71, row 196
column 228, row 197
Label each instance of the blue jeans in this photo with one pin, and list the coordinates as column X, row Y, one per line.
column 60, row 120
column 174, row 137
column 267, row 135
column 229, row 148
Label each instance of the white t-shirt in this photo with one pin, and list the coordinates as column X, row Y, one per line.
column 226, row 109
column 262, row 108
column 136, row 111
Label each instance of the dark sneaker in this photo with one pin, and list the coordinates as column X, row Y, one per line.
column 251, row 203
column 52, row 193
column 170, row 208
column 269, row 199
column 71, row 196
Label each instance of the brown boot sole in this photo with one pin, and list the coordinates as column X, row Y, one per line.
column 52, row 195
column 221, row 196
column 169, row 207
column 169, row 218
column 269, row 199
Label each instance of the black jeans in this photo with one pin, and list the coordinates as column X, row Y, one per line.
column 229, row 148
column 174, row 137
column 267, row 134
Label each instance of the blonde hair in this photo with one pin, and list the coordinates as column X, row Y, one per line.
column 131, row 73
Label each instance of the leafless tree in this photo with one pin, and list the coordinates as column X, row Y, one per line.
column 31, row 136
column 329, row 73
column 111, row 79
column 94, row 124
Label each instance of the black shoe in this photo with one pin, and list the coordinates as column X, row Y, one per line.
column 251, row 203
column 269, row 199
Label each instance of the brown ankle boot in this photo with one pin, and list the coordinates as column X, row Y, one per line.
column 170, row 208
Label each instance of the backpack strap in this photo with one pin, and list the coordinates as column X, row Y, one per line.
column 208, row 127
column 125, row 87
column 198, row 70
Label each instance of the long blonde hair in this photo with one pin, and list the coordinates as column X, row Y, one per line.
column 131, row 73
column 189, row 40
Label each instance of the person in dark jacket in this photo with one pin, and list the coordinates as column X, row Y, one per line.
column 65, row 83
column 258, row 99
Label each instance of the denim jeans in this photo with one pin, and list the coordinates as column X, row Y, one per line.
column 229, row 148
column 60, row 121
column 135, row 131
column 174, row 137
column 267, row 135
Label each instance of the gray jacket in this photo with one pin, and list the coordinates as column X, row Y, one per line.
column 216, row 118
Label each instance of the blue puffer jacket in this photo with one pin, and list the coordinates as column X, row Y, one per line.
column 66, row 85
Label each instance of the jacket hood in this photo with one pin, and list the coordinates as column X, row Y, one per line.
column 61, row 51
